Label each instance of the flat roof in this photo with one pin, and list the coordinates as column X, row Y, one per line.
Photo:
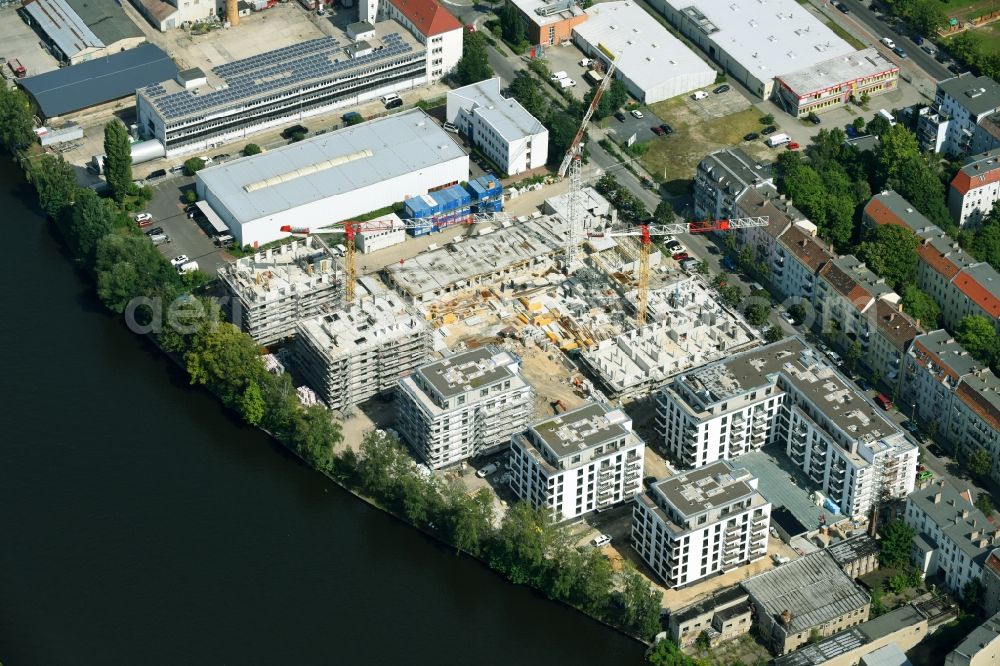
column 853, row 549
column 792, row 504
column 813, row 589
column 768, row 39
column 330, row 164
column 504, row 114
column 648, row 55
column 468, row 371
column 837, row 70
column 977, row 94
column 291, row 268
column 97, row 81
column 107, row 19
column 585, row 427
column 544, row 12
column 301, row 66
column 713, row 486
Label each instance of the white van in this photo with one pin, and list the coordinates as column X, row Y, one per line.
column 888, row 42
column 700, row 94
column 566, row 83
column 385, row 99
column 776, row 140
column 556, row 76
column 188, row 267
column 888, row 116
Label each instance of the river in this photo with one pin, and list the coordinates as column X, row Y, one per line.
column 142, row 524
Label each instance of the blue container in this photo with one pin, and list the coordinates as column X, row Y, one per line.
column 485, row 187
column 420, row 206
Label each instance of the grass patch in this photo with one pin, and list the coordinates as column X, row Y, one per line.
column 674, row 159
column 844, row 35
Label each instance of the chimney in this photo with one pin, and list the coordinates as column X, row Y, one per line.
column 965, row 513
column 786, row 617
column 937, row 498
column 232, row 13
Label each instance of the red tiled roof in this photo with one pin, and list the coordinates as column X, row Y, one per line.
column 979, row 405
column 881, row 214
column 964, row 181
column 428, row 16
column 978, row 294
column 993, row 563
column 937, row 261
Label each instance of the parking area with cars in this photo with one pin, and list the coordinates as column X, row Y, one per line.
column 624, row 124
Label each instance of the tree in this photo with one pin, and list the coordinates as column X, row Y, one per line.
column 853, row 355
column 640, row 602
column 757, row 313
column 921, row 306
column 193, row 165
column 858, row 124
column 984, row 504
column 703, row 641
column 128, row 266
column 890, row 250
column 16, row 120
column 468, row 520
column 979, row 463
column 797, row 311
column 562, row 131
column 666, row 653
column 894, row 548
column 226, row 360
column 526, row 89
column 522, row 543
column 90, row 219
column 314, row 434
column 55, row 183
column 251, row 149
column 474, row 65
column 767, row 119
column 252, row 405
column 977, row 335
column 972, row 593
column 118, row 159
column 731, row 295
column 773, row 334
column 511, row 25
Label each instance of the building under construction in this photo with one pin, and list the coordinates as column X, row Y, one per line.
column 351, row 354
column 272, row 290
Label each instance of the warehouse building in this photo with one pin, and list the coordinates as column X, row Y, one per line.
column 550, row 22
column 236, row 99
column 756, row 42
column 464, row 406
column 341, row 174
column 807, row 594
column 107, row 80
column 698, row 523
column 835, row 82
column 271, row 291
column 576, row 462
column 76, row 31
column 653, row 64
column 508, row 135
column 351, row 354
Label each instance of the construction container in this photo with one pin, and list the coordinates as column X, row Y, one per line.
column 487, row 194
column 423, row 205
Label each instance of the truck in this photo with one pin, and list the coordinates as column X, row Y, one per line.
column 776, row 140
column 188, row 267
column 18, row 69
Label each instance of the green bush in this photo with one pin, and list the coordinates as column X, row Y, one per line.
column 190, row 196
column 251, row 149
column 193, row 165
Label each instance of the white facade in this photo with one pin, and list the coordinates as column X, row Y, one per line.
column 960, row 104
column 463, row 406
column 573, row 463
column 975, row 189
column 511, row 137
column 380, row 233
column 722, row 177
column 431, row 25
column 697, row 523
column 653, row 64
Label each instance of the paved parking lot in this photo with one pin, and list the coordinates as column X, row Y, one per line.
column 717, row 105
column 186, row 237
column 21, row 42
column 622, row 130
column 566, row 58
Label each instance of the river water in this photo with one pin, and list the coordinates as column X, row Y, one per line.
column 144, row 525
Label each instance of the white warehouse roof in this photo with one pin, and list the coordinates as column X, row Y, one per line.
column 656, row 64
column 329, row 165
column 767, row 37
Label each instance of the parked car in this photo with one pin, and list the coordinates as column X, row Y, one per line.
column 721, row 89
column 814, row 119
column 288, row 132
column 636, row 113
column 888, row 42
column 450, row 127
column 385, row 99
column 883, row 402
column 177, row 168
column 792, row 145
column 206, row 160
column 842, row 7
column 700, row 94
column 600, row 541
column 955, row 68
column 187, row 267
column 154, row 231
column 936, row 451
column 674, row 246
column 486, row 471
column 143, row 217
column 863, row 384
column 179, row 260
column 789, row 318
column 900, row 52
column 928, row 48
column 689, row 264
column 394, row 104
column 770, row 129
column 752, row 136
column 911, row 426
column 655, row 129
column 156, row 175
column 667, row 129
column 680, row 256
column 620, row 116
column 558, row 75
column 586, row 62
column 918, row 39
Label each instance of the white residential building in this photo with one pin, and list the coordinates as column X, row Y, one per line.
column 722, row 177
column 785, row 393
column 954, row 538
column 499, row 126
column 698, row 523
column 975, row 189
column 463, row 406
column 960, row 104
column 573, row 463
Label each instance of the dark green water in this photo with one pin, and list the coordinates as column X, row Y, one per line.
column 143, row 525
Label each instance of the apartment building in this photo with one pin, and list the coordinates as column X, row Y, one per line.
column 974, row 422
column 799, row 256
column 270, row 291
column 499, row 126
column 954, row 538
column 934, row 367
column 698, row 523
column 760, row 202
column 974, row 189
column 786, row 393
column 350, row 355
column 980, row 648
column 463, row 406
column 991, row 583
column 808, row 594
column 960, row 104
column 573, row 463
column 722, row 177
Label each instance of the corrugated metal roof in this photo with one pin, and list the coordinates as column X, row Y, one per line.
column 400, row 144
column 63, row 25
column 98, row 81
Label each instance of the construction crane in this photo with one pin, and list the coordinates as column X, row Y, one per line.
column 350, row 229
column 572, row 163
column 646, row 231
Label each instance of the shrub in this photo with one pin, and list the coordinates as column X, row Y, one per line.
column 251, row 149
column 193, row 165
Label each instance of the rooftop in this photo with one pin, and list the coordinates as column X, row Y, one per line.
column 63, row 25
column 731, row 170
column 979, row 171
column 648, row 55
column 895, row 325
column 792, row 504
column 503, row 114
column 853, row 549
column 714, row 486
column 544, row 12
column 939, row 354
column 959, row 521
column 944, row 255
column 429, row 17
column 977, row 94
column 981, row 284
column 983, row 637
column 257, row 79
column 980, row 391
column 767, row 40
column 765, row 201
column 94, row 82
column 806, row 247
column 812, row 589
column 273, row 274
column 330, row 164
column 835, row 71
column 840, row 274
column 585, row 427
column 890, row 208
column 718, row 599
column 468, row 371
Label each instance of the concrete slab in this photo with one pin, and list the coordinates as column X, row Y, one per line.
column 21, row 42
